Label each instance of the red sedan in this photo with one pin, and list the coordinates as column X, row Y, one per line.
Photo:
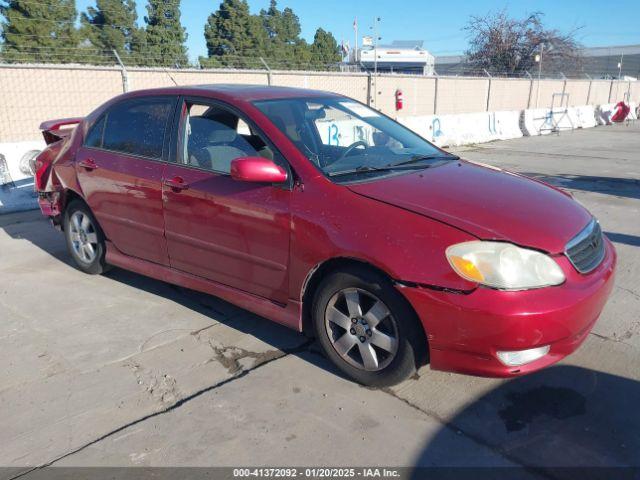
column 318, row 212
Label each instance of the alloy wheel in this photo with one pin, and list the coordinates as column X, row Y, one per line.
column 361, row 329
column 83, row 236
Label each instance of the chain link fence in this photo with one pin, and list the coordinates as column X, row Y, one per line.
column 600, row 63
column 33, row 93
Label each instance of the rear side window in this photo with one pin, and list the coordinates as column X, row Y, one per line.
column 137, row 127
column 94, row 138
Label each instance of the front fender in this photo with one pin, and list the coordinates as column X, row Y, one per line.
column 329, row 221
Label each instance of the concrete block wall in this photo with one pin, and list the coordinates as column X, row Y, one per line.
column 634, row 88
column 599, row 92
column 352, row 85
column 140, row 79
column 33, row 93
column 542, row 93
column 419, row 94
column 461, row 95
column 509, row 94
column 578, row 91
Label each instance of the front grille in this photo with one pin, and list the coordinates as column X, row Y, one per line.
column 586, row 250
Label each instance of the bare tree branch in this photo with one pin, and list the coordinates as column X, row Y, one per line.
column 504, row 45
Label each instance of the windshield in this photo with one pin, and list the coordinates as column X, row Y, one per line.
column 348, row 140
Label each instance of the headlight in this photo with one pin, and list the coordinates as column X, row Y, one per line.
column 503, row 265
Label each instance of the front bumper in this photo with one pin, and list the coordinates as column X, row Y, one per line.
column 466, row 330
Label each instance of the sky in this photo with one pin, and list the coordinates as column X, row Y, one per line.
column 438, row 23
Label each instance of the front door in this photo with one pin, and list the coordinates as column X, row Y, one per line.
column 234, row 233
column 120, row 169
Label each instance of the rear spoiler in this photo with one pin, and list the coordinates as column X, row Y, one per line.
column 52, row 130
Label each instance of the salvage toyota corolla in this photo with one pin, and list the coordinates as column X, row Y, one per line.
column 320, row 213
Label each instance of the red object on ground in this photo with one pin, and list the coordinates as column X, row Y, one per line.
column 260, row 245
column 620, row 113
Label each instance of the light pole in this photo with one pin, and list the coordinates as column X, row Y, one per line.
column 374, row 27
column 620, row 66
column 538, row 58
column 376, row 22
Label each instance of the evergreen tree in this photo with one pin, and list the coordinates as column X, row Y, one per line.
column 285, row 47
column 234, row 37
column 111, row 25
column 39, row 31
column 324, row 50
column 165, row 35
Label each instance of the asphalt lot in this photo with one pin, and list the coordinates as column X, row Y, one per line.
column 121, row 370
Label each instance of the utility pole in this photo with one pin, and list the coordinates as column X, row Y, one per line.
column 376, row 22
column 355, row 50
column 374, row 27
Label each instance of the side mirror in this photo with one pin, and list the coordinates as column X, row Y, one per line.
column 257, row 169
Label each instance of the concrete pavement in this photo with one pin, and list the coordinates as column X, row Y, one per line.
column 121, row 370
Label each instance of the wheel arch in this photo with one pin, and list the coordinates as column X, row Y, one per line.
column 329, row 266
column 72, row 196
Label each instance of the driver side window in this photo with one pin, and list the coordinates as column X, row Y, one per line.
column 214, row 136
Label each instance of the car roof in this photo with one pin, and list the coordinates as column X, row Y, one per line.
column 236, row 92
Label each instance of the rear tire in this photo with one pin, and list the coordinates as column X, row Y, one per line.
column 366, row 328
column 85, row 240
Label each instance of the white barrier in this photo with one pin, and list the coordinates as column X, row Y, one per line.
column 584, row 116
column 542, row 121
column 535, row 120
column 505, row 124
column 16, row 182
column 466, row 128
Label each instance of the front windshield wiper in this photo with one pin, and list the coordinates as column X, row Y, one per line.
column 412, row 163
column 420, row 158
column 359, row 169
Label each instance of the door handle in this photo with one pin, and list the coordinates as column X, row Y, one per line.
column 88, row 164
column 176, row 183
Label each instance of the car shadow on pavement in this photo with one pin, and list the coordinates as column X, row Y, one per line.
column 632, row 240
column 619, row 187
column 564, row 416
column 211, row 306
column 34, row 228
column 218, row 310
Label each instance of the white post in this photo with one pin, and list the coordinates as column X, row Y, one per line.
column 123, row 71
column 355, row 50
column 539, row 75
column 269, row 79
column 375, row 45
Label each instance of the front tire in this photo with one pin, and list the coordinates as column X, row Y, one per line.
column 366, row 328
column 85, row 240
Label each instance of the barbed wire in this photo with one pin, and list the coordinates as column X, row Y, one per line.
column 56, row 3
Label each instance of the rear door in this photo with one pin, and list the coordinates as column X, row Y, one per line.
column 235, row 233
column 120, row 169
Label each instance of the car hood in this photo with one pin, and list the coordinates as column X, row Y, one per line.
column 487, row 202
